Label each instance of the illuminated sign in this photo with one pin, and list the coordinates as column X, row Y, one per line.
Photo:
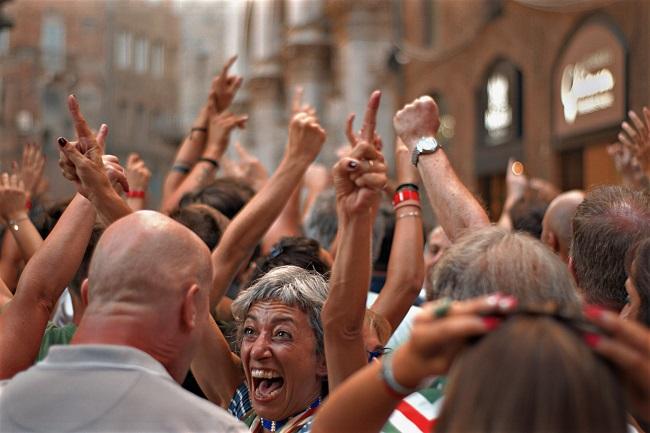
column 584, row 91
column 589, row 82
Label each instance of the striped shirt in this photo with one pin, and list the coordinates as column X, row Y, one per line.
column 418, row 412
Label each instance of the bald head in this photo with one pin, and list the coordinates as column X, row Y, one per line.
column 556, row 226
column 149, row 260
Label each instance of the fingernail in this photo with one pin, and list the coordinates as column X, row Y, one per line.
column 507, row 302
column 591, row 339
column 491, row 322
column 62, row 141
column 353, row 164
column 593, row 311
column 493, row 300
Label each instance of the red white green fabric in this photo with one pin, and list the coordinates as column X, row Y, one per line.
column 418, row 412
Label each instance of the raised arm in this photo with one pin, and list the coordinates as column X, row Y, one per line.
column 455, row 207
column 289, row 222
column 93, row 173
column 24, row 318
column 216, row 369
column 137, row 175
column 358, row 179
column 222, row 92
column 364, row 402
column 13, row 210
column 516, row 184
column 406, row 262
column 306, row 137
column 221, row 125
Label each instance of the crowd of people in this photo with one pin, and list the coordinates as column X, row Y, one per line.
column 313, row 300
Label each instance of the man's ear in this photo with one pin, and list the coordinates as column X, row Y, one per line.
column 84, row 292
column 190, row 307
column 553, row 242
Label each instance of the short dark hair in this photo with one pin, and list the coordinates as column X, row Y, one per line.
column 296, row 250
column 227, row 195
column 637, row 265
column 527, row 214
column 201, row 219
column 605, row 225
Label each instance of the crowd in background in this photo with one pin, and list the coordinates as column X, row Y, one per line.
column 312, row 299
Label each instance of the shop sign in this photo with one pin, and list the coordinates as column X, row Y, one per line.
column 590, row 82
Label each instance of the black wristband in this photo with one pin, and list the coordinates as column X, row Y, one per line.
column 412, row 186
column 198, row 129
column 214, row 162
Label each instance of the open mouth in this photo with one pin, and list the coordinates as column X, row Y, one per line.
column 267, row 384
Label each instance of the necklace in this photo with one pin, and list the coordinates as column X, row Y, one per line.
column 275, row 426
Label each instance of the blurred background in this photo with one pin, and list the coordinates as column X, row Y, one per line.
column 545, row 81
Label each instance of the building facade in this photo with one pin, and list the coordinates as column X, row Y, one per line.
column 118, row 57
column 545, row 82
column 337, row 50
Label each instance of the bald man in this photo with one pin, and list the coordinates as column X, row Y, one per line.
column 147, row 300
column 556, row 225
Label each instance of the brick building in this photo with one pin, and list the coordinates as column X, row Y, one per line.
column 117, row 56
column 547, row 82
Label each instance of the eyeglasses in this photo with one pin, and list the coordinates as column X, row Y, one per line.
column 378, row 353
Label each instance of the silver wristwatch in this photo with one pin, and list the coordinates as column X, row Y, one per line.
column 424, row 145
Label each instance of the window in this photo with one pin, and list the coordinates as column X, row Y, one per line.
column 4, row 42
column 123, row 48
column 158, row 60
column 141, row 55
column 53, row 43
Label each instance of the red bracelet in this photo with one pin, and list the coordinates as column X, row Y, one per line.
column 405, row 195
column 135, row 194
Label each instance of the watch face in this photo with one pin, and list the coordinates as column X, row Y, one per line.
column 427, row 145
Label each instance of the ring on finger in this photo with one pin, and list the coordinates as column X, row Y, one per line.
column 442, row 308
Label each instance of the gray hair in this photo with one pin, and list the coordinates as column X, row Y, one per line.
column 291, row 286
column 494, row 259
column 322, row 222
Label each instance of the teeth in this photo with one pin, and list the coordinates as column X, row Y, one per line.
column 263, row 374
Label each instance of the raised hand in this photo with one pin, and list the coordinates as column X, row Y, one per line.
column 221, row 125
column 627, row 346
column 224, row 87
column 367, row 131
column 13, row 197
column 251, row 168
column 81, row 160
column 306, row 138
column 137, row 173
column 360, row 176
column 440, row 331
column 637, row 138
column 31, row 169
column 298, row 107
column 417, row 120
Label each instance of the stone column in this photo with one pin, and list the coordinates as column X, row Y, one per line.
column 266, row 107
column 363, row 33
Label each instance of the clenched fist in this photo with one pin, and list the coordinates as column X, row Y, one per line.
column 306, row 138
column 418, row 119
